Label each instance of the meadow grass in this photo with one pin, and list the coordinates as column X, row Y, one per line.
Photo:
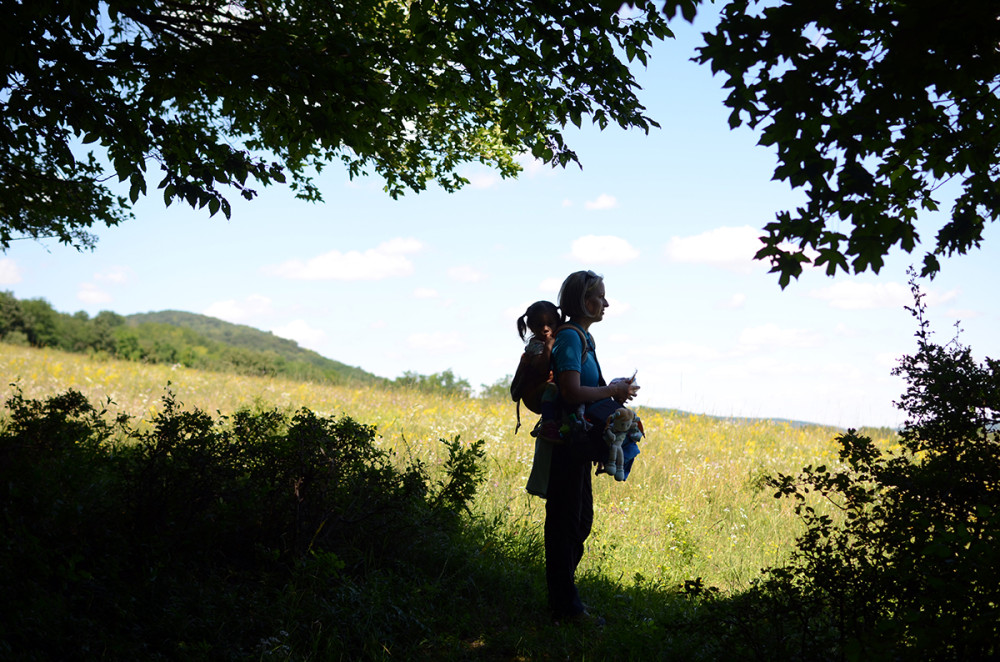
column 694, row 506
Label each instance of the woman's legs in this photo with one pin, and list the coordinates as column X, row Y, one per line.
column 569, row 516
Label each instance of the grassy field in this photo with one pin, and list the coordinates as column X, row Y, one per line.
column 694, row 505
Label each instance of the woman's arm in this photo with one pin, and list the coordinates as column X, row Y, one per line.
column 572, row 392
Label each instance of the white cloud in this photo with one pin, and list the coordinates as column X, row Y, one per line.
column 617, row 308
column 90, row 293
column 465, row 274
column 734, row 302
column 682, row 351
column 727, row 247
column 531, row 165
column 550, row 285
column 852, row 295
column 594, row 249
column 425, row 293
column 847, row 295
column 603, row 201
column 239, row 311
column 935, row 297
column 386, row 260
column 116, row 274
column 482, row 179
column 619, row 340
column 887, row 361
column 963, row 313
column 9, row 272
column 302, row 333
column 436, row 342
column 842, row 330
column 771, row 336
column 513, row 312
column 567, row 202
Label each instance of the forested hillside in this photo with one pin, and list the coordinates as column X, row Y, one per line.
column 249, row 338
column 174, row 337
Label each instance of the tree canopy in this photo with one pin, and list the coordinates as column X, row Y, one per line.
column 205, row 99
column 872, row 105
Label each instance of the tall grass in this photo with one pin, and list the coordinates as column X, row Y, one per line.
column 694, row 505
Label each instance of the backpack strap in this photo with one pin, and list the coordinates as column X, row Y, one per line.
column 583, row 338
column 586, row 346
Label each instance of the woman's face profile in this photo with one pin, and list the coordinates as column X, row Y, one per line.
column 596, row 303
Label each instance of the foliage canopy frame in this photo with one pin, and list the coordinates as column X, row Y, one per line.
column 226, row 95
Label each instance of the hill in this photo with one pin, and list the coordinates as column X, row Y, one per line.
column 171, row 337
column 249, row 338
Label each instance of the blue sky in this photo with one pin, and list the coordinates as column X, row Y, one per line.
column 435, row 281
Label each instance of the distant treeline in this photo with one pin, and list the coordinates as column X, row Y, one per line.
column 194, row 341
column 445, row 383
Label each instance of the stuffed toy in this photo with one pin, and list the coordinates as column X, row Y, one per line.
column 622, row 425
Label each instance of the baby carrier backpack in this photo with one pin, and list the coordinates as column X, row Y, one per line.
column 534, row 374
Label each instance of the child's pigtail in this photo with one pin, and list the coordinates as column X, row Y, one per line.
column 522, row 326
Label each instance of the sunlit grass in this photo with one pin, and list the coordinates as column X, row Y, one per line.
column 694, row 505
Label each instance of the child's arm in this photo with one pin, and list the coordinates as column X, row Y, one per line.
column 535, row 347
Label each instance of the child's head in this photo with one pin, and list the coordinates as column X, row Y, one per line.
column 542, row 318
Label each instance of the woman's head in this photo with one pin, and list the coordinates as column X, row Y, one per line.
column 542, row 318
column 581, row 296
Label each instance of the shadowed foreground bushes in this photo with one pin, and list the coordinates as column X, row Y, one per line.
column 230, row 539
column 268, row 536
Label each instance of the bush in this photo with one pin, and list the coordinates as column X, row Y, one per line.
column 912, row 569
column 199, row 538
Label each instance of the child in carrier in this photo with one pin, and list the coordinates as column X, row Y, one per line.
column 533, row 381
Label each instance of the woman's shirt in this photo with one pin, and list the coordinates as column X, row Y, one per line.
column 566, row 356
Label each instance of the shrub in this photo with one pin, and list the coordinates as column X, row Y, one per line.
column 912, row 569
column 200, row 538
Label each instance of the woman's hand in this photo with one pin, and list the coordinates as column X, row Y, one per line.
column 623, row 389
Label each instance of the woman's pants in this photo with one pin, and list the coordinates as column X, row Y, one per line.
column 569, row 515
